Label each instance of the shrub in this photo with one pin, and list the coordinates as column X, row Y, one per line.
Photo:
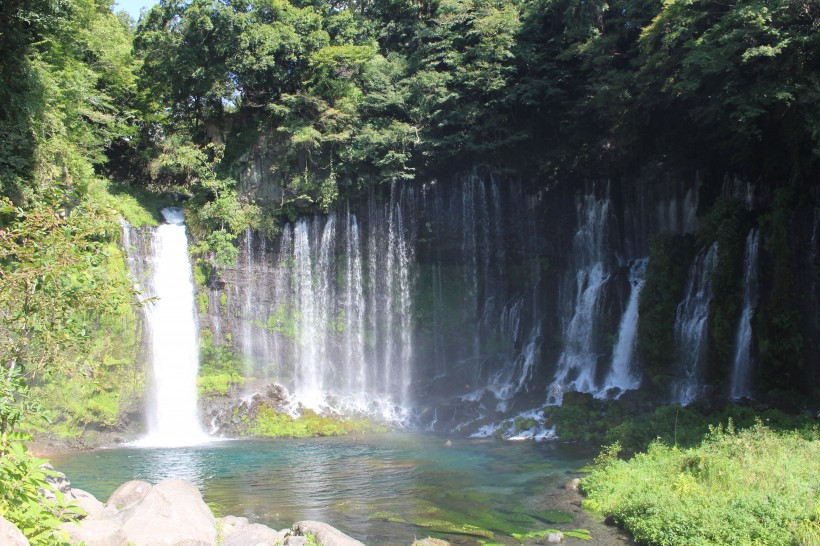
column 755, row 486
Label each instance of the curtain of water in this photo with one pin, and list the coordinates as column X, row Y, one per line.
column 691, row 326
column 741, row 385
column 622, row 375
column 577, row 365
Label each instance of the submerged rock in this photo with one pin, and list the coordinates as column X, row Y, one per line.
column 429, row 541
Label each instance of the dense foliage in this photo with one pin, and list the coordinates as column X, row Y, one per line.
column 748, row 487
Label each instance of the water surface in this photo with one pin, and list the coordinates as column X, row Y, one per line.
column 381, row 489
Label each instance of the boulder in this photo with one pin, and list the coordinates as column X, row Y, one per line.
column 95, row 532
column 573, row 484
column 324, row 533
column 90, row 505
column 56, row 480
column 11, row 535
column 294, row 540
column 128, row 494
column 229, row 524
column 254, row 534
column 554, row 538
column 172, row 513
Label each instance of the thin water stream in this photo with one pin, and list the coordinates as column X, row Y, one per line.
column 381, row 489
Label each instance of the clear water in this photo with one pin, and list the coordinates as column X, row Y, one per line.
column 381, row 489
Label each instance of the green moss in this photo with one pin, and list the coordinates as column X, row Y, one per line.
column 223, row 299
column 136, row 206
column 274, row 424
column 203, row 302
column 669, row 259
column 726, row 223
column 218, row 384
column 202, row 271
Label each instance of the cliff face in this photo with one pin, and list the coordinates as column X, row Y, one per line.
column 443, row 302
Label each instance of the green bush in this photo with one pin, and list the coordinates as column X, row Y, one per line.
column 38, row 518
column 755, row 486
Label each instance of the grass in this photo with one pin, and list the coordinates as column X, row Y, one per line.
column 752, row 487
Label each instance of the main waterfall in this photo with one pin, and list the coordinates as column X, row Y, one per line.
column 172, row 410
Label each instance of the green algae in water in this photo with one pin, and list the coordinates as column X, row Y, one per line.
column 388, row 516
column 575, row 533
column 551, row 516
column 448, row 527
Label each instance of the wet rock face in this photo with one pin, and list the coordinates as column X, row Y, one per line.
column 226, row 415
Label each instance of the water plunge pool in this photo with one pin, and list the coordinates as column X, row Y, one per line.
column 380, row 489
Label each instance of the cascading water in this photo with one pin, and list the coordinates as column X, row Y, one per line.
column 577, row 366
column 172, row 411
column 440, row 305
column 691, row 326
column 741, row 386
column 622, row 376
column 328, row 314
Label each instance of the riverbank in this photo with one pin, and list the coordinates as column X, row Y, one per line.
column 753, row 486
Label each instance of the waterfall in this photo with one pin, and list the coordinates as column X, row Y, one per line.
column 691, row 326
column 172, row 411
column 329, row 312
column 742, row 362
column 577, row 365
column 621, row 375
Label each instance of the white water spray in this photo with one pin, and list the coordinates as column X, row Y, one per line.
column 172, row 412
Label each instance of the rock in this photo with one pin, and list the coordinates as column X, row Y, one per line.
column 554, row 538
column 93, row 508
column 430, row 542
column 324, row 533
column 230, row 524
column 128, row 494
column 11, row 535
column 293, row 540
column 254, row 534
column 57, row 481
column 448, row 443
column 172, row 513
column 95, row 532
column 572, row 485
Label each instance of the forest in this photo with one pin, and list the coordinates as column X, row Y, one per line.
column 254, row 114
